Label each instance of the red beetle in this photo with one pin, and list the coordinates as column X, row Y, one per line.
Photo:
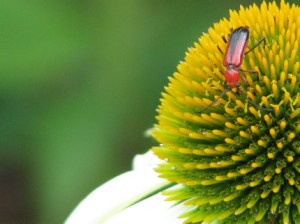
column 235, row 51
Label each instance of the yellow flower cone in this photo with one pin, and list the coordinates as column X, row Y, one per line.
column 236, row 163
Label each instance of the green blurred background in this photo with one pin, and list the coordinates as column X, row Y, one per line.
column 80, row 82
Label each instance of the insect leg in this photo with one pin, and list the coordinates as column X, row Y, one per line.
column 245, row 80
column 262, row 108
column 224, row 39
column 258, row 43
column 251, row 71
column 220, row 49
column 221, row 95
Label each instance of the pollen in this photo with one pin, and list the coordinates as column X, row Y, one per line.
column 236, row 150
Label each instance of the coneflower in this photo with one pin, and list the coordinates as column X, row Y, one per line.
column 235, row 163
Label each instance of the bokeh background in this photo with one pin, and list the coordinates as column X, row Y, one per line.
column 80, row 82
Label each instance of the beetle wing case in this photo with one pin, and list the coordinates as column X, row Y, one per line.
column 237, row 43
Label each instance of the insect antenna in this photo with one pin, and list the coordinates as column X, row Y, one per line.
column 221, row 95
column 262, row 108
column 258, row 43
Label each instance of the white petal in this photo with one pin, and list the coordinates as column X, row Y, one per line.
column 152, row 210
column 146, row 161
column 118, row 193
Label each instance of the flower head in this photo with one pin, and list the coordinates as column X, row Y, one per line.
column 235, row 162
